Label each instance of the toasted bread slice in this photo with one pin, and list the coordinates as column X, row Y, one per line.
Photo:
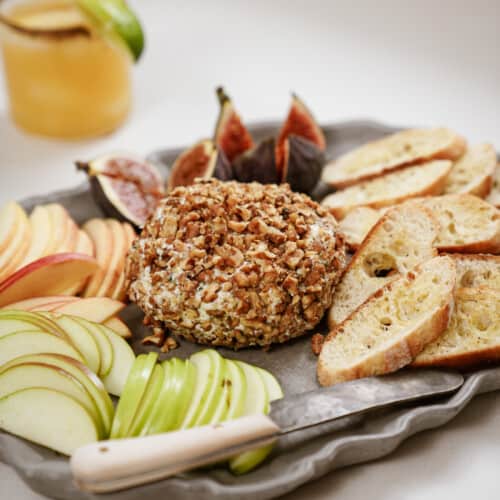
column 475, row 270
column 390, row 189
column 494, row 196
column 473, row 172
column 395, row 151
column 468, row 224
column 357, row 224
column 392, row 326
column 473, row 335
column 399, row 241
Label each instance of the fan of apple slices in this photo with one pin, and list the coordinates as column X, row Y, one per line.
column 206, row 389
column 60, row 368
column 55, row 374
column 29, row 243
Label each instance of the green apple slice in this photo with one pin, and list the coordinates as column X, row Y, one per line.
column 82, row 339
column 27, row 375
column 14, row 320
column 115, row 18
column 273, row 387
column 173, row 400
column 208, row 388
column 132, row 393
column 9, row 327
column 103, row 344
column 257, row 402
column 33, row 342
column 123, row 359
column 184, row 381
column 86, row 377
column 49, row 418
column 148, row 401
column 162, row 413
column 238, row 396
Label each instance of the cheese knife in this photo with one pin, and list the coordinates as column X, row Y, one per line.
column 114, row 465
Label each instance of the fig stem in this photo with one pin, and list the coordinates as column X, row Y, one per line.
column 81, row 165
column 222, row 96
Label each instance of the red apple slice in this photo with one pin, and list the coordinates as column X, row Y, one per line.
column 41, row 235
column 10, row 215
column 46, row 276
column 96, row 309
column 117, row 261
column 120, row 292
column 118, row 326
column 58, row 220
column 41, row 303
column 83, row 245
column 101, row 236
column 16, row 248
column 72, row 236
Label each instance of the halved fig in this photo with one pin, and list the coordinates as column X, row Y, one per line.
column 231, row 136
column 258, row 164
column 203, row 160
column 125, row 187
column 302, row 164
column 301, row 123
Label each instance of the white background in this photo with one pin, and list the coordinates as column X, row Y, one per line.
column 401, row 62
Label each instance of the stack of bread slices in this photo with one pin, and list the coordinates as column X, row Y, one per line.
column 420, row 211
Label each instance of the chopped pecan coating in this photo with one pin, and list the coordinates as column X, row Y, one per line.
column 225, row 263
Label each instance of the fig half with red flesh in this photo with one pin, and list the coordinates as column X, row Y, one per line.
column 125, row 188
column 202, row 160
column 231, row 136
column 258, row 164
column 301, row 123
column 302, row 164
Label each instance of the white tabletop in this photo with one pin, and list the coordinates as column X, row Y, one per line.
column 418, row 63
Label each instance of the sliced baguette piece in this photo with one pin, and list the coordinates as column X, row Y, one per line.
column 473, row 172
column 467, row 223
column 357, row 224
column 494, row 196
column 473, row 335
column 399, row 241
column 474, row 270
column 392, row 327
column 390, row 189
column 392, row 152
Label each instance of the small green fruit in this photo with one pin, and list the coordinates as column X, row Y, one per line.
column 115, row 17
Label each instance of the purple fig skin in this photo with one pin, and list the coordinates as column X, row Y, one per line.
column 223, row 169
column 258, row 164
column 303, row 164
column 107, row 206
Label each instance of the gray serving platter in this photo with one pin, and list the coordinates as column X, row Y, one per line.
column 298, row 458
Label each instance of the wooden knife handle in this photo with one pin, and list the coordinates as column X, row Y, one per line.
column 114, row 465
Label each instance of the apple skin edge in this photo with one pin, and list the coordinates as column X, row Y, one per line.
column 46, row 276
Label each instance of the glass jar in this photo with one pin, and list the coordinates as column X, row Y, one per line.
column 63, row 78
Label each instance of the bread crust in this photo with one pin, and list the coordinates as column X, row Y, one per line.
column 372, row 234
column 494, row 195
column 469, row 358
column 485, row 245
column 434, row 188
column 452, row 151
column 395, row 356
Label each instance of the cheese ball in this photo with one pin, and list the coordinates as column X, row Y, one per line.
column 236, row 265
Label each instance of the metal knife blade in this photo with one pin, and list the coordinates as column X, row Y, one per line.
column 312, row 408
